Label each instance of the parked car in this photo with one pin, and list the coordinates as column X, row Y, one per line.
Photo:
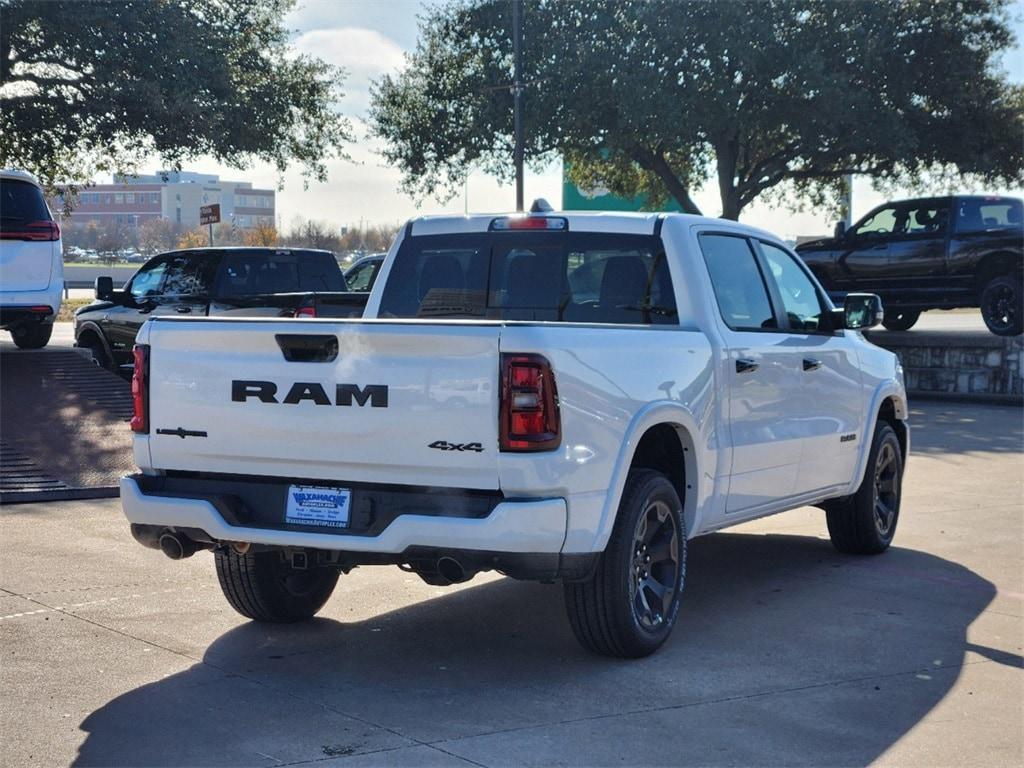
column 931, row 253
column 31, row 262
column 488, row 418
column 212, row 281
column 361, row 275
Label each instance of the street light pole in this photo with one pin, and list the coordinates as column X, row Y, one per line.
column 517, row 96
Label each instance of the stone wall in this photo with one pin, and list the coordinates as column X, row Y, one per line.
column 972, row 365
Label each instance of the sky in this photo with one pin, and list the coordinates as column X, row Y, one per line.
column 369, row 38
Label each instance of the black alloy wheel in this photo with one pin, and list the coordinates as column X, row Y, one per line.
column 886, row 489
column 628, row 606
column 655, row 566
column 1001, row 306
column 865, row 522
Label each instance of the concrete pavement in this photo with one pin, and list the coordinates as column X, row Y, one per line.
column 786, row 652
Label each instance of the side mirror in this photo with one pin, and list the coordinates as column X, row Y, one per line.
column 840, row 230
column 862, row 311
column 104, row 288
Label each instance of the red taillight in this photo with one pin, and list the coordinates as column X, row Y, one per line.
column 34, row 230
column 529, row 415
column 140, row 389
column 305, row 312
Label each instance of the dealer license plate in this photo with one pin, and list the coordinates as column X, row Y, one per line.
column 317, row 505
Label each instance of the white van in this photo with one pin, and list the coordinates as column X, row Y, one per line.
column 31, row 261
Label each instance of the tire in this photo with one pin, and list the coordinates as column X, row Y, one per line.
column 98, row 352
column 900, row 320
column 34, row 336
column 263, row 586
column 1001, row 305
column 609, row 616
column 865, row 523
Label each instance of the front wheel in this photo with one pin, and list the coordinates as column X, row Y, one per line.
column 900, row 319
column 628, row 606
column 1001, row 309
column 865, row 523
column 33, row 336
column 97, row 351
column 264, row 586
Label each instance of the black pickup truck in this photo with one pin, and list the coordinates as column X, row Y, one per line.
column 274, row 282
column 931, row 253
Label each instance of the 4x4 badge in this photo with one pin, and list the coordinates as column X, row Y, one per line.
column 444, row 445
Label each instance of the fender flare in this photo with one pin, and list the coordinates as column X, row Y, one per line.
column 89, row 325
column 884, row 391
column 652, row 415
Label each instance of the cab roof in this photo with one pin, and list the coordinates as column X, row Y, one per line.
column 643, row 223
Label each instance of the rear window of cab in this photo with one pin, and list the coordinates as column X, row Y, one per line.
column 573, row 277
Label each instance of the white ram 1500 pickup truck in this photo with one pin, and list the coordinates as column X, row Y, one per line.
column 552, row 396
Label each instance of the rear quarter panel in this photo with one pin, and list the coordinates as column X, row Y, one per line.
column 614, row 382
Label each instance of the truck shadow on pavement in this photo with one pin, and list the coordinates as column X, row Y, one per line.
column 785, row 652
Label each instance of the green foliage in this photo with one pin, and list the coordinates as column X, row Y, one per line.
column 766, row 98
column 97, row 86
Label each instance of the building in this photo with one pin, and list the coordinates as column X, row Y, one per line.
column 175, row 196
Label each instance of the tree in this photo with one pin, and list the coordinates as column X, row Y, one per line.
column 194, row 238
column 97, row 86
column 263, row 235
column 111, row 239
column 156, row 235
column 312, row 234
column 659, row 97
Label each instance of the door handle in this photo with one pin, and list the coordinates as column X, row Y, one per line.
column 746, row 365
column 183, row 310
column 308, row 347
column 810, row 364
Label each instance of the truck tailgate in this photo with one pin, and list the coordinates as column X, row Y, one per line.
column 397, row 402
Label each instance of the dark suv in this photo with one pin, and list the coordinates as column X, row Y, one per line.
column 931, row 253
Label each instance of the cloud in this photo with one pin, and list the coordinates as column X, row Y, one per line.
column 364, row 53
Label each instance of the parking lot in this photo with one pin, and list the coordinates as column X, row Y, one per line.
column 787, row 653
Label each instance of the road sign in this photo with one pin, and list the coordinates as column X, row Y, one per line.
column 575, row 198
column 209, row 214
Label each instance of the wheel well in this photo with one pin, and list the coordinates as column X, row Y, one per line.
column 88, row 335
column 667, row 448
column 994, row 265
column 887, row 413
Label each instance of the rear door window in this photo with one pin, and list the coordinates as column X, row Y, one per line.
column 189, row 275
column 563, row 277
column 21, row 203
column 927, row 219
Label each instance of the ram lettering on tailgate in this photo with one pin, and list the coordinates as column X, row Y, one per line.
column 344, row 394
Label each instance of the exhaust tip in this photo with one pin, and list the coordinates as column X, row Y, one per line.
column 451, row 570
column 175, row 546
